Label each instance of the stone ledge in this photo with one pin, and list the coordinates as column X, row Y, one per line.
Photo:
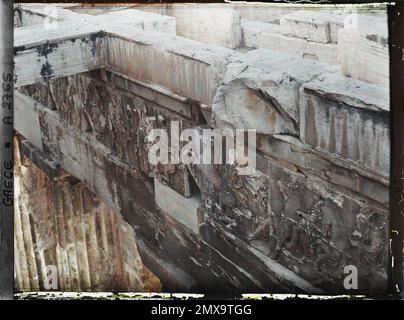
column 348, row 118
column 262, row 91
column 316, row 26
column 344, row 175
column 355, row 93
column 184, row 210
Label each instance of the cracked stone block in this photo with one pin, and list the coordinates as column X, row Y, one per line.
column 292, row 153
column 42, row 160
column 315, row 26
column 262, row 92
column 218, row 26
column 186, row 67
column 263, row 13
column 300, row 221
column 46, row 15
column 348, row 118
column 363, row 50
column 184, row 210
column 61, row 224
column 154, row 93
column 118, row 120
column 42, row 53
column 38, row 59
column 314, row 204
column 316, row 231
column 269, row 36
column 140, row 19
column 27, row 120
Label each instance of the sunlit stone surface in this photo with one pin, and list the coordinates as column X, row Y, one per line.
column 318, row 201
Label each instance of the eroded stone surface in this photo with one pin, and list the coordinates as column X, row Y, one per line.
column 220, row 26
column 303, row 223
column 130, row 192
column 318, row 200
column 364, row 45
column 315, row 25
column 60, row 224
column 348, row 118
column 356, row 42
column 270, row 36
column 262, row 92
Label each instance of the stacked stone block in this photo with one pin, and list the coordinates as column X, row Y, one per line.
column 357, row 43
column 318, row 199
column 66, row 239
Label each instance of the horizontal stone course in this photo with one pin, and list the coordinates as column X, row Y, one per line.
column 180, row 208
column 186, row 67
column 318, row 230
column 348, row 118
column 357, row 43
column 363, row 51
column 220, row 26
column 139, row 19
column 65, row 57
column 128, row 192
column 312, row 25
column 342, row 174
column 270, row 36
column 299, row 221
column 262, row 91
column 183, row 66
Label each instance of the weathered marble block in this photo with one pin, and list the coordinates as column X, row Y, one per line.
column 218, row 26
column 294, row 154
column 269, row 36
column 42, row 52
column 151, row 92
column 27, row 119
column 317, row 26
column 184, row 66
column 316, row 231
column 184, row 210
column 301, row 221
column 347, row 118
column 50, row 16
column 42, row 60
column 363, row 50
column 140, row 19
column 261, row 92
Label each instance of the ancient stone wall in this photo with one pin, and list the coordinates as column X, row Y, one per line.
column 318, row 199
column 353, row 38
column 65, row 238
